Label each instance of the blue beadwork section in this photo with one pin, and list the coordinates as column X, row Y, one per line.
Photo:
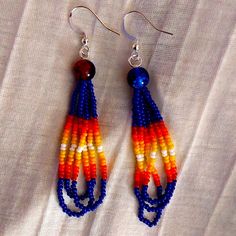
column 83, row 101
column 153, row 205
column 82, row 105
column 73, row 193
column 145, row 112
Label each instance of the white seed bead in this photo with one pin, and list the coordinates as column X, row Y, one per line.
column 90, row 146
column 153, row 155
column 140, row 157
column 172, row 152
column 79, row 149
column 100, row 148
column 73, row 147
column 164, row 153
column 85, row 148
column 63, row 146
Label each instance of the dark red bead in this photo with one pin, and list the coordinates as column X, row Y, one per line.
column 84, row 69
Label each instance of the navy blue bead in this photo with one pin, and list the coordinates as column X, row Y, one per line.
column 74, row 99
column 93, row 102
column 138, row 77
column 81, row 98
column 152, row 111
column 159, row 191
column 84, row 101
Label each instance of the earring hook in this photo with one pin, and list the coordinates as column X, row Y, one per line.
column 133, row 38
column 78, row 30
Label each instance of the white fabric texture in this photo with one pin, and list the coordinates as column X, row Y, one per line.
column 192, row 81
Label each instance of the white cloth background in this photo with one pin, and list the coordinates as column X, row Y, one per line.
column 192, row 80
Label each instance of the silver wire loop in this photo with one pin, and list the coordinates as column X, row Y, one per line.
column 84, row 51
column 135, row 60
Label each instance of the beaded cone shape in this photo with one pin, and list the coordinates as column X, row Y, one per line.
column 81, row 145
column 150, row 138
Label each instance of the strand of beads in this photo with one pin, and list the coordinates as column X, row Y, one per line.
column 81, row 145
column 150, row 137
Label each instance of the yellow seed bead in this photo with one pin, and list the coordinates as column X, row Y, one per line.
column 154, row 149
column 81, row 143
column 166, row 159
column 141, row 167
column 101, row 157
column 162, row 145
column 64, row 140
column 151, row 162
column 137, row 148
column 92, row 152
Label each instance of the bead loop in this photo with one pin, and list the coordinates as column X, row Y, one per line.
column 135, row 60
column 84, row 51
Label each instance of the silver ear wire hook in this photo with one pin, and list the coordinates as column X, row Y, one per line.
column 78, row 30
column 133, row 38
column 85, row 49
column 135, row 60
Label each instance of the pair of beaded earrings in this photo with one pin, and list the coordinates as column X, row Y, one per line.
column 81, row 143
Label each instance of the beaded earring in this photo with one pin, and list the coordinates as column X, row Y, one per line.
column 150, row 137
column 81, row 140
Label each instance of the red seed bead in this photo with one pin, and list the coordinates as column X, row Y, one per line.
column 84, row 69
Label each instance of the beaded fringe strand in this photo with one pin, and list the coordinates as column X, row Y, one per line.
column 81, row 145
column 150, row 137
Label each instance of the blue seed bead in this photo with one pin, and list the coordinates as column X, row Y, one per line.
column 138, row 77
